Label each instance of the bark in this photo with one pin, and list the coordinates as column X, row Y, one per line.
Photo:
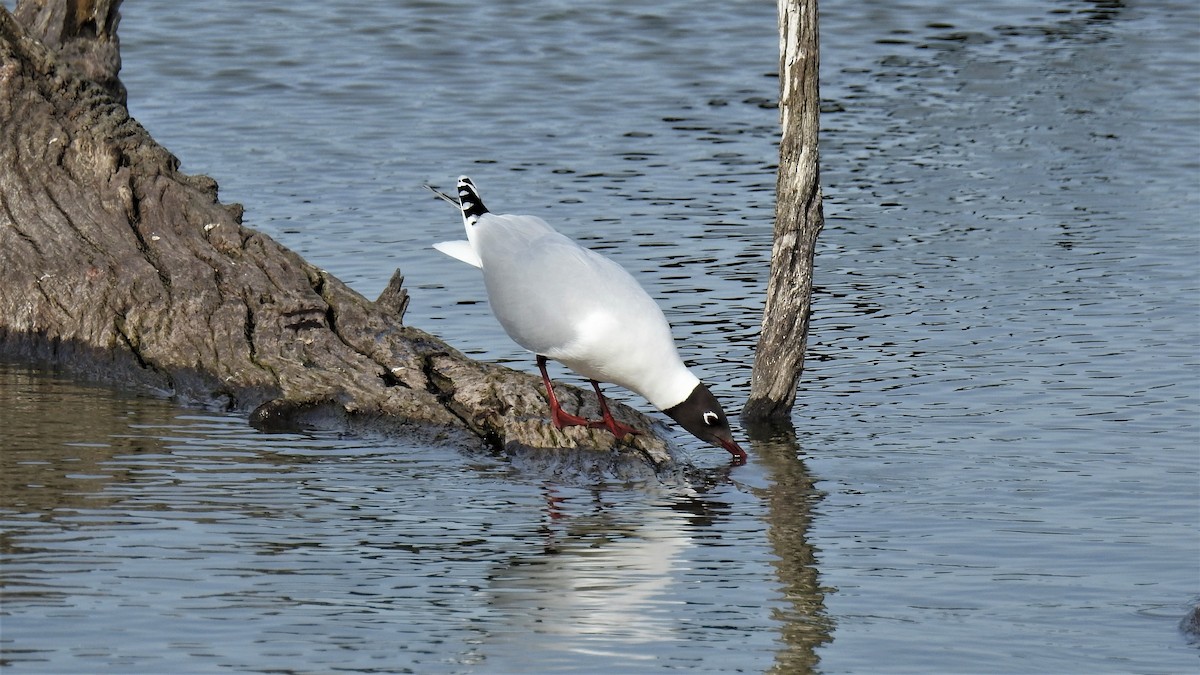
column 115, row 265
column 779, row 359
column 82, row 33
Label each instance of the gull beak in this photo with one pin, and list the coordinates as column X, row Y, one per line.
column 739, row 455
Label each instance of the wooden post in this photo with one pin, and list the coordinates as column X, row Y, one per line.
column 779, row 359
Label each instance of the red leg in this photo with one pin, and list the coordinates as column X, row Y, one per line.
column 558, row 416
column 616, row 428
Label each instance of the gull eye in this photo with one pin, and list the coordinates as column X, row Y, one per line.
column 710, row 417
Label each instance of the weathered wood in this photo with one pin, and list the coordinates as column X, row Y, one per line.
column 779, row 358
column 83, row 33
column 116, row 265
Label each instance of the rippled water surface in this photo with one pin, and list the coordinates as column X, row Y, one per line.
column 996, row 461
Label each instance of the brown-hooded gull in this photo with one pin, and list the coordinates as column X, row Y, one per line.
column 565, row 302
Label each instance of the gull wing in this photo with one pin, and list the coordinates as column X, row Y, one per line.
column 460, row 250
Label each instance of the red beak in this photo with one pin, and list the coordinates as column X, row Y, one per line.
column 739, row 455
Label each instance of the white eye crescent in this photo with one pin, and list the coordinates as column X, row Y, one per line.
column 710, row 417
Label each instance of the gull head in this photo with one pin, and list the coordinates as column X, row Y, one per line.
column 702, row 416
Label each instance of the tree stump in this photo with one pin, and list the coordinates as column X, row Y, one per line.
column 117, row 266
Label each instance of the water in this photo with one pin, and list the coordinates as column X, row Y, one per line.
column 996, row 463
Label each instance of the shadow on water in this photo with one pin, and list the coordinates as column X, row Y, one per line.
column 56, row 456
column 790, row 495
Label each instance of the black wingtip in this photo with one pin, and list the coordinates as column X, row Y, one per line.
column 469, row 200
column 442, row 195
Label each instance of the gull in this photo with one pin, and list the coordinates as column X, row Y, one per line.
column 567, row 303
